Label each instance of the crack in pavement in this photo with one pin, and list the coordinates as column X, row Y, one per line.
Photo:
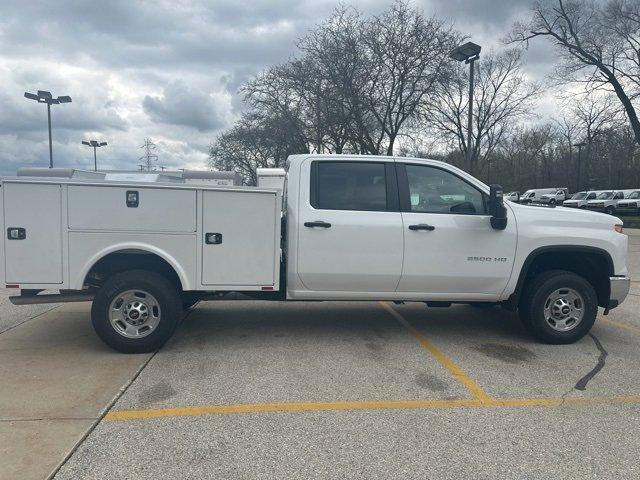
column 582, row 383
column 563, row 398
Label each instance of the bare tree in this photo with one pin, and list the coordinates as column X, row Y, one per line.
column 341, row 63
column 502, row 96
column 407, row 57
column 380, row 70
column 255, row 141
column 599, row 45
column 594, row 115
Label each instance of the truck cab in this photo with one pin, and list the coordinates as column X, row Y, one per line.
column 385, row 223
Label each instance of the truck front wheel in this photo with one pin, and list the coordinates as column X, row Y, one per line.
column 136, row 311
column 559, row 307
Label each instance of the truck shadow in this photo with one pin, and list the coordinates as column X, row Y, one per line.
column 366, row 320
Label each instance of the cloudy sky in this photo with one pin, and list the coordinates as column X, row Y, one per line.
column 168, row 70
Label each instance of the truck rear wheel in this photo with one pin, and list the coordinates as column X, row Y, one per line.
column 136, row 311
column 559, row 307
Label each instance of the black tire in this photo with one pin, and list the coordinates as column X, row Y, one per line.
column 552, row 202
column 532, row 305
column 164, row 293
column 610, row 211
column 582, row 207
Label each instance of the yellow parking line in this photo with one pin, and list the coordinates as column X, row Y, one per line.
column 287, row 407
column 121, row 415
column 616, row 324
column 445, row 361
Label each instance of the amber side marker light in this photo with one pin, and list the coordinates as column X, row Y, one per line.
column 618, row 228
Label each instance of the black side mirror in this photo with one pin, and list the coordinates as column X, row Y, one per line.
column 497, row 210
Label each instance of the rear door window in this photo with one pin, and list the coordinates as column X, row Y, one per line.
column 349, row 186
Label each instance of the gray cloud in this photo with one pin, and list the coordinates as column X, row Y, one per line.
column 182, row 105
column 165, row 69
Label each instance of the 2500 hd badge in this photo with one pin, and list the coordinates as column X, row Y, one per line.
column 486, row 259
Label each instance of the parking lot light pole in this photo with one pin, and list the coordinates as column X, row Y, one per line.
column 45, row 97
column 579, row 145
column 468, row 53
column 95, row 144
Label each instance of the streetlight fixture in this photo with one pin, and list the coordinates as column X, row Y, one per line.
column 468, row 53
column 95, row 144
column 579, row 145
column 45, row 97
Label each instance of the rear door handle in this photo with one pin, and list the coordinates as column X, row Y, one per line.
column 317, row 224
column 422, row 226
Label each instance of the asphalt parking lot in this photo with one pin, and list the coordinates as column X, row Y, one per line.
column 327, row 390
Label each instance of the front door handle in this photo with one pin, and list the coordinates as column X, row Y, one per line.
column 317, row 224
column 422, row 226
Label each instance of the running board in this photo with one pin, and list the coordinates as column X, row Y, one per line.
column 51, row 298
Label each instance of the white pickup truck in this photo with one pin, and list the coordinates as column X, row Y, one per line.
column 352, row 228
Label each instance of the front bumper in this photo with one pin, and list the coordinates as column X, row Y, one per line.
column 627, row 208
column 618, row 291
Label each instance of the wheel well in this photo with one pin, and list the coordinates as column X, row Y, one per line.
column 594, row 265
column 131, row 259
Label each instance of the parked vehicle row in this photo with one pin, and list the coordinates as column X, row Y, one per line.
column 612, row 202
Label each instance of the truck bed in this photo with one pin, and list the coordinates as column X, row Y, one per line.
column 216, row 238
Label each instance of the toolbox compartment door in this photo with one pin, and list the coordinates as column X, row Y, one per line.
column 138, row 209
column 240, row 241
column 35, row 255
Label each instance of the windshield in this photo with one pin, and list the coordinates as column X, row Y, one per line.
column 579, row 196
column 605, row 196
column 635, row 194
column 528, row 193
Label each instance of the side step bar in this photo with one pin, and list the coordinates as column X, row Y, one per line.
column 52, row 298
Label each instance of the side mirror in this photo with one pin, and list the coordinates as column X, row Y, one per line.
column 497, row 210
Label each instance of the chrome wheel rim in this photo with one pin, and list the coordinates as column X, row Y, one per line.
column 134, row 313
column 564, row 309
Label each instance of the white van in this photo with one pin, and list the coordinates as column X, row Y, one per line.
column 607, row 201
column 580, row 199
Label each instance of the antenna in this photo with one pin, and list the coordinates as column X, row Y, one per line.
column 149, row 157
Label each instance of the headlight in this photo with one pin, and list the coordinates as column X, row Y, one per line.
column 618, row 228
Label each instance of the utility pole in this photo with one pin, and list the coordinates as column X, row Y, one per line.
column 468, row 53
column 149, row 157
column 579, row 145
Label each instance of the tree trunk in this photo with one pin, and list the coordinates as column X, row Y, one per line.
column 628, row 106
column 392, row 140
